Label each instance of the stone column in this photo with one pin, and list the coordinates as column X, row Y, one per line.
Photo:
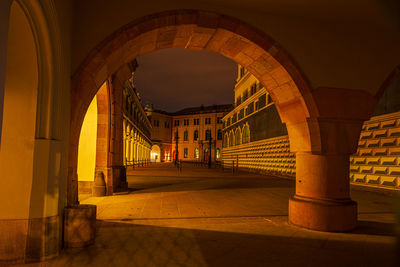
column 110, row 135
column 323, row 147
column 124, row 142
column 322, row 200
column 117, row 183
column 128, row 149
column 103, row 130
column 131, row 149
column 134, row 150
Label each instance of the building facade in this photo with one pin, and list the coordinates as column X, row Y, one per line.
column 251, row 125
column 137, row 141
column 192, row 134
column 161, row 134
column 197, row 133
column 265, row 147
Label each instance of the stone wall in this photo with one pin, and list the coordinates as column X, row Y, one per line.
column 269, row 156
column 376, row 162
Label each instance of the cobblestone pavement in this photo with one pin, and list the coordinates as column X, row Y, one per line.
column 203, row 217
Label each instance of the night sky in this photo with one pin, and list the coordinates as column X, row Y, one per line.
column 176, row 78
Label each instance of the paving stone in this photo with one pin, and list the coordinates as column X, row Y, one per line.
column 203, row 217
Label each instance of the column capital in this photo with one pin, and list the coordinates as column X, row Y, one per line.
column 341, row 113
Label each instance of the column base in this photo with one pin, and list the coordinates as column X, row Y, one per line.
column 79, row 226
column 115, row 178
column 323, row 215
column 29, row 240
column 119, row 179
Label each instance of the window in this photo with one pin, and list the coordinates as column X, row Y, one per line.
column 245, row 95
column 196, row 121
column 225, row 143
column 241, row 114
column 166, row 124
column 250, row 108
column 242, row 71
column 269, row 100
column 262, row 101
column 259, row 86
column 186, row 122
column 218, row 153
column 156, row 123
column 238, row 101
column 176, row 135
column 219, row 134
column 208, row 134
column 185, row 152
column 185, row 135
column 126, row 103
column 219, row 120
column 223, row 124
column 246, row 135
column 234, row 118
column 228, row 122
column 237, row 137
column 196, row 135
column 207, row 120
column 176, row 123
column 231, row 139
column 253, row 89
column 196, row 153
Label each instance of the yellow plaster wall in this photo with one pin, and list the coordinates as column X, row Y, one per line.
column 87, row 144
column 19, row 121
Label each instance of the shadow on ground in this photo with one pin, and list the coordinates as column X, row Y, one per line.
column 125, row 244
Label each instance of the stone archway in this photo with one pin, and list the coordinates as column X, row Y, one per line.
column 155, row 155
column 320, row 131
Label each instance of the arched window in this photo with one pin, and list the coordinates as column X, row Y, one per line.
column 185, row 135
column 196, row 135
column 196, row 153
column 231, row 139
column 245, row 135
column 219, row 134
column 208, row 134
column 225, row 143
column 237, row 137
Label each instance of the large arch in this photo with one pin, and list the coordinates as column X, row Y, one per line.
column 321, row 127
column 155, row 155
column 193, row 30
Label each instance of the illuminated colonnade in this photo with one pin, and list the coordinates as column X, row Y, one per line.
column 136, row 146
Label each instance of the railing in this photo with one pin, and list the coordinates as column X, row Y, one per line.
column 228, row 164
column 137, row 163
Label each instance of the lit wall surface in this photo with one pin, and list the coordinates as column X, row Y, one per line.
column 87, row 144
column 18, row 135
